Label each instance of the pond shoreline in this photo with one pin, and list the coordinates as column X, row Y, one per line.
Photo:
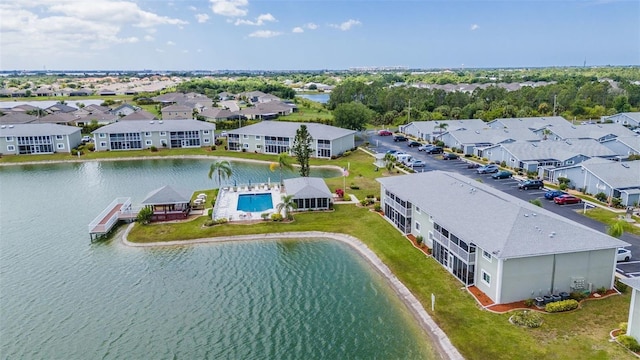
column 139, row 158
column 441, row 343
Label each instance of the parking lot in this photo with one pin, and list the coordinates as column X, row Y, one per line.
column 573, row 212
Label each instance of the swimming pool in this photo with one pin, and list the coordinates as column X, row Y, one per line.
column 255, row 202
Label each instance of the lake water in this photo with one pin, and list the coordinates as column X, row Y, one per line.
column 321, row 98
column 62, row 297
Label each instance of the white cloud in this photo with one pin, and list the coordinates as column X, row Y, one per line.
column 148, row 38
column 159, row 50
column 475, row 27
column 193, row 8
column 185, row 51
column 264, row 34
column 67, row 29
column 202, row 18
column 347, row 25
column 170, row 43
column 231, row 8
column 311, row 26
column 297, row 30
column 199, row 50
column 260, row 20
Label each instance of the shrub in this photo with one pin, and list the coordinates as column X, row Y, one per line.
column 629, row 342
column 577, row 295
column 620, row 286
column 90, row 147
column 440, row 143
column 377, row 207
column 364, row 202
column 564, row 180
column 145, row 215
column 354, row 187
column 347, row 153
column 264, row 216
column 623, row 326
column 153, row 148
column 210, row 212
column 562, row 186
column 602, row 290
column 213, row 147
column 616, row 202
column 276, row 217
column 529, row 302
column 419, row 239
column 559, row 306
column 601, row 196
column 371, row 196
column 503, row 164
column 74, row 152
column 340, row 193
column 526, row 318
column 209, row 222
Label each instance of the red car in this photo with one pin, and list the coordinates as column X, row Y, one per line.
column 566, row 199
column 385, row 133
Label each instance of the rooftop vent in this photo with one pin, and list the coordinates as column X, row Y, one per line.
column 10, row 126
column 151, row 122
column 526, row 215
column 624, row 165
column 160, row 122
column 2, row 127
column 534, row 214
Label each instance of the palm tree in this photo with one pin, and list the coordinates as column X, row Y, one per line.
column 442, row 126
column 287, row 205
column 389, row 162
column 222, row 169
column 617, row 228
column 284, row 162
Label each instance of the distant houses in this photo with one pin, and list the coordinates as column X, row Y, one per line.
column 142, row 134
column 275, row 137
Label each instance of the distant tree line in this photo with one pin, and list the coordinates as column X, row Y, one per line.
column 212, row 88
column 579, row 97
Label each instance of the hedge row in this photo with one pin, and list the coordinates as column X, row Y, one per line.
column 558, row 306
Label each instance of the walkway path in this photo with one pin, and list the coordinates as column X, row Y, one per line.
column 438, row 338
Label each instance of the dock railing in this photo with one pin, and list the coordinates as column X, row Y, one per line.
column 107, row 218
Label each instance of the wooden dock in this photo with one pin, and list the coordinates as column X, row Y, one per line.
column 118, row 209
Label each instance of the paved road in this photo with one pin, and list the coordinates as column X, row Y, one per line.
column 510, row 186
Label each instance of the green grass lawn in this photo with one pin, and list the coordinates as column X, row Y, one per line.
column 609, row 217
column 478, row 334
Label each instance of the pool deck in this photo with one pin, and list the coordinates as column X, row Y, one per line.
column 227, row 203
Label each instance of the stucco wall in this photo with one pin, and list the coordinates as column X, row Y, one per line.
column 490, row 267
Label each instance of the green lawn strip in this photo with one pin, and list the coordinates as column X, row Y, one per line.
column 477, row 334
column 609, row 217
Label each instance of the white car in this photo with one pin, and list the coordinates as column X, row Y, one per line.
column 417, row 163
column 623, row 255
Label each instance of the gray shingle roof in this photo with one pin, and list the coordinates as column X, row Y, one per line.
column 495, row 221
column 591, row 131
column 17, row 118
column 154, row 125
column 429, row 127
column 493, row 136
column 619, row 175
column 288, row 129
column 167, row 195
column 529, row 122
column 37, row 130
column 307, row 188
column 558, row 150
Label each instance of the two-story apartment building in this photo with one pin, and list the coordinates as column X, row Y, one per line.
column 509, row 249
column 142, row 134
column 38, row 138
column 275, row 137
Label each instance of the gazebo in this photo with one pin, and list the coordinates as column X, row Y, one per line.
column 309, row 193
column 168, row 203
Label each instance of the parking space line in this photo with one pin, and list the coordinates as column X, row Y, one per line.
column 633, row 274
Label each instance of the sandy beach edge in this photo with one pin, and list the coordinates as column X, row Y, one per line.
column 439, row 339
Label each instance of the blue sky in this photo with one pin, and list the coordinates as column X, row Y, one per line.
column 301, row 34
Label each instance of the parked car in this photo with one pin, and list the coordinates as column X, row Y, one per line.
column 472, row 165
column 417, row 163
column 385, row 133
column 551, row 194
column 425, row 147
column 450, row 156
column 435, row 150
column 414, row 144
column 623, row 254
column 391, row 152
column 397, row 138
column 488, row 169
column 86, row 139
column 566, row 199
column 504, row 174
column 531, row 184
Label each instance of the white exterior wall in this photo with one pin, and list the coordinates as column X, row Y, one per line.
column 490, row 267
column 633, row 326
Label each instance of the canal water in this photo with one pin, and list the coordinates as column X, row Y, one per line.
column 321, row 98
column 62, row 297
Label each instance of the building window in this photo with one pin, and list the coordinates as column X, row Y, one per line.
column 257, row 137
column 417, row 226
column 246, row 146
column 147, row 133
column 60, row 146
column 417, row 210
column 9, row 138
column 59, row 137
column 245, row 136
column 163, row 133
column 206, row 140
column 148, row 142
column 102, row 135
column 486, row 278
column 103, row 144
column 11, row 148
column 205, row 132
column 486, row 255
